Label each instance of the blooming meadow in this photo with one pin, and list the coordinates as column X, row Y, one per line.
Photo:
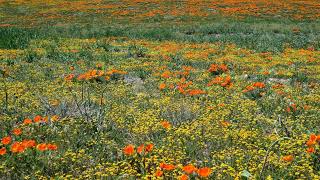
column 217, row 102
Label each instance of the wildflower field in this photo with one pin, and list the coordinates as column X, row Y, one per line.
column 159, row 89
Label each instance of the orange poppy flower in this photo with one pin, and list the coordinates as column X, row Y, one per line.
column 17, row 147
column 71, row 68
column 213, row 68
column 288, row 109
column 128, row 150
column 294, row 108
column 29, row 143
column 225, row 123
column 311, row 150
column 17, row 131
column 183, row 177
column 266, row 73
column 166, row 124
column 167, row 167
column 187, row 68
column 52, row 147
column 259, row 85
column 318, row 137
column 3, row 151
column 140, row 148
column 81, row 77
column 166, row 74
column 189, row 169
column 287, row 158
column 312, row 140
column 223, row 67
column 42, row 147
column 248, row 88
column 162, row 86
column 149, row 147
column 181, row 90
column 221, row 104
column 27, row 121
column 37, row 118
column 110, row 72
column 227, row 79
column 310, row 143
column 6, row 140
column 217, row 80
column 93, row 73
column 69, row 77
column 159, row 173
column 224, row 84
column 313, row 137
column 204, row 172
column 196, row 92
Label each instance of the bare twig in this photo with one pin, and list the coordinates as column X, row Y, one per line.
column 78, row 106
column 6, row 95
column 268, row 152
column 284, row 127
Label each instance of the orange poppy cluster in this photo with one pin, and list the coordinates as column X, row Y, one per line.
column 91, row 74
column 291, row 108
column 21, row 146
column 218, row 69
column 166, row 124
column 45, row 146
column 186, row 70
column 288, row 158
column 162, row 86
column 95, row 75
column 194, row 92
column 40, row 119
column 69, row 77
column 166, row 74
column 222, row 81
column 256, row 85
column 188, row 170
column 312, row 142
column 17, row 131
column 142, row 149
column 183, row 85
column 140, row 11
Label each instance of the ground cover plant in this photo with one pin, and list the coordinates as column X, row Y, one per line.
column 159, row 89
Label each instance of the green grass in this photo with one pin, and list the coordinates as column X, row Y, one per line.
column 253, row 34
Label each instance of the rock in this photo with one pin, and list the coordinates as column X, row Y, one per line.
column 136, row 82
column 278, row 80
column 132, row 80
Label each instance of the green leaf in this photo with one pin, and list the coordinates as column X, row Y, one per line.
column 245, row 174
